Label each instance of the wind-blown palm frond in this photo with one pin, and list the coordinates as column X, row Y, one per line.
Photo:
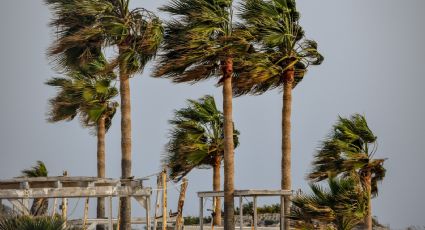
column 137, row 32
column 349, row 148
column 33, row 223
column 40, row 205
column 349, row 152
column 89, row 96
column 281, row 46
column 198, row 40
column 342, row 205
column 196, row 138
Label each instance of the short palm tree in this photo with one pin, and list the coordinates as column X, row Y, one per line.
column 349, row 152
column 33, row 223
column 341, row 206
column 197, row 141
column 282, row 58
column 90, row 97
column 40, row 205
column 202, row 42
column 136, row 34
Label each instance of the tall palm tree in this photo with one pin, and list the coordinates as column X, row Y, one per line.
column 196, row 141
column 342, row 206
column 90, row 97
column 39, row 205
column 349, row 152
column 201, row 42
column 136, row 34
column 282, row 58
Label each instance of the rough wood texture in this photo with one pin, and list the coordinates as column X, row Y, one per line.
column 179, row 218
column 125, row 138
column 101, row 130
column 164, row 200
column 74, row 192
column 229, row 206
column 250, row 192
column 286, row 138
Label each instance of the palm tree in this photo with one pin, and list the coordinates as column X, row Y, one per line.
column 33, row 223
column 349, row 152
column 196, row 141
column 90, row 97
column 136, row 34
column 282, row 58
column 201, row 42
column 342, row 206
column 39, row 205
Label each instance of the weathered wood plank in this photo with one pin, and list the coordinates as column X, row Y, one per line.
column 73, row 192
column 251, row 192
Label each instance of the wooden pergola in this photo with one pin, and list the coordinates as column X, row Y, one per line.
column 245, row 193
column 18, row 191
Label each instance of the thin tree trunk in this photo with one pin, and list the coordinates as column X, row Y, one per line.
column 286, row 140
column 368, row 218
column 229, row 218
column 101, row 130
column 216, row 188
column 125, row 210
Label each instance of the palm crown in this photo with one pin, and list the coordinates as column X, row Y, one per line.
column 280, row 43
column 196, row 138
column 342, row 205
column 87, row 26
column 198, row 40
column 349, row 151
column 87, row 96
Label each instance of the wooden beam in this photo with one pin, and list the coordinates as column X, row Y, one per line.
column 251, row 192
column 74, row 192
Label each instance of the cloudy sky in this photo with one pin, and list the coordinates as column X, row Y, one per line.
column 374, row 59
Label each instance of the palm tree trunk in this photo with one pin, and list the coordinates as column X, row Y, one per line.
column 125, row 210
column 229, row 218
column 368, row 218
column 286, row 140
column 101, row 166
column 216, row 188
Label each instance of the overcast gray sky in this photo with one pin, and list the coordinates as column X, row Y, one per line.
column 373, row 65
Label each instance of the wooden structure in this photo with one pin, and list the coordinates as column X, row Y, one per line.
column 18, row 191
column 246, row 193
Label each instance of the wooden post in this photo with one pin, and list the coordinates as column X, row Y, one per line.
column 148, row 210
column 201, row 213
column 156, row 214
column 179, row 218
column 282, row 213
column 64, row 204
column 119, row 214
column 86, row 213
column 26, row 202
column 110, row 224
column 255, row 213
column 240, row 213
column 55, row 201
column 164, row 200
